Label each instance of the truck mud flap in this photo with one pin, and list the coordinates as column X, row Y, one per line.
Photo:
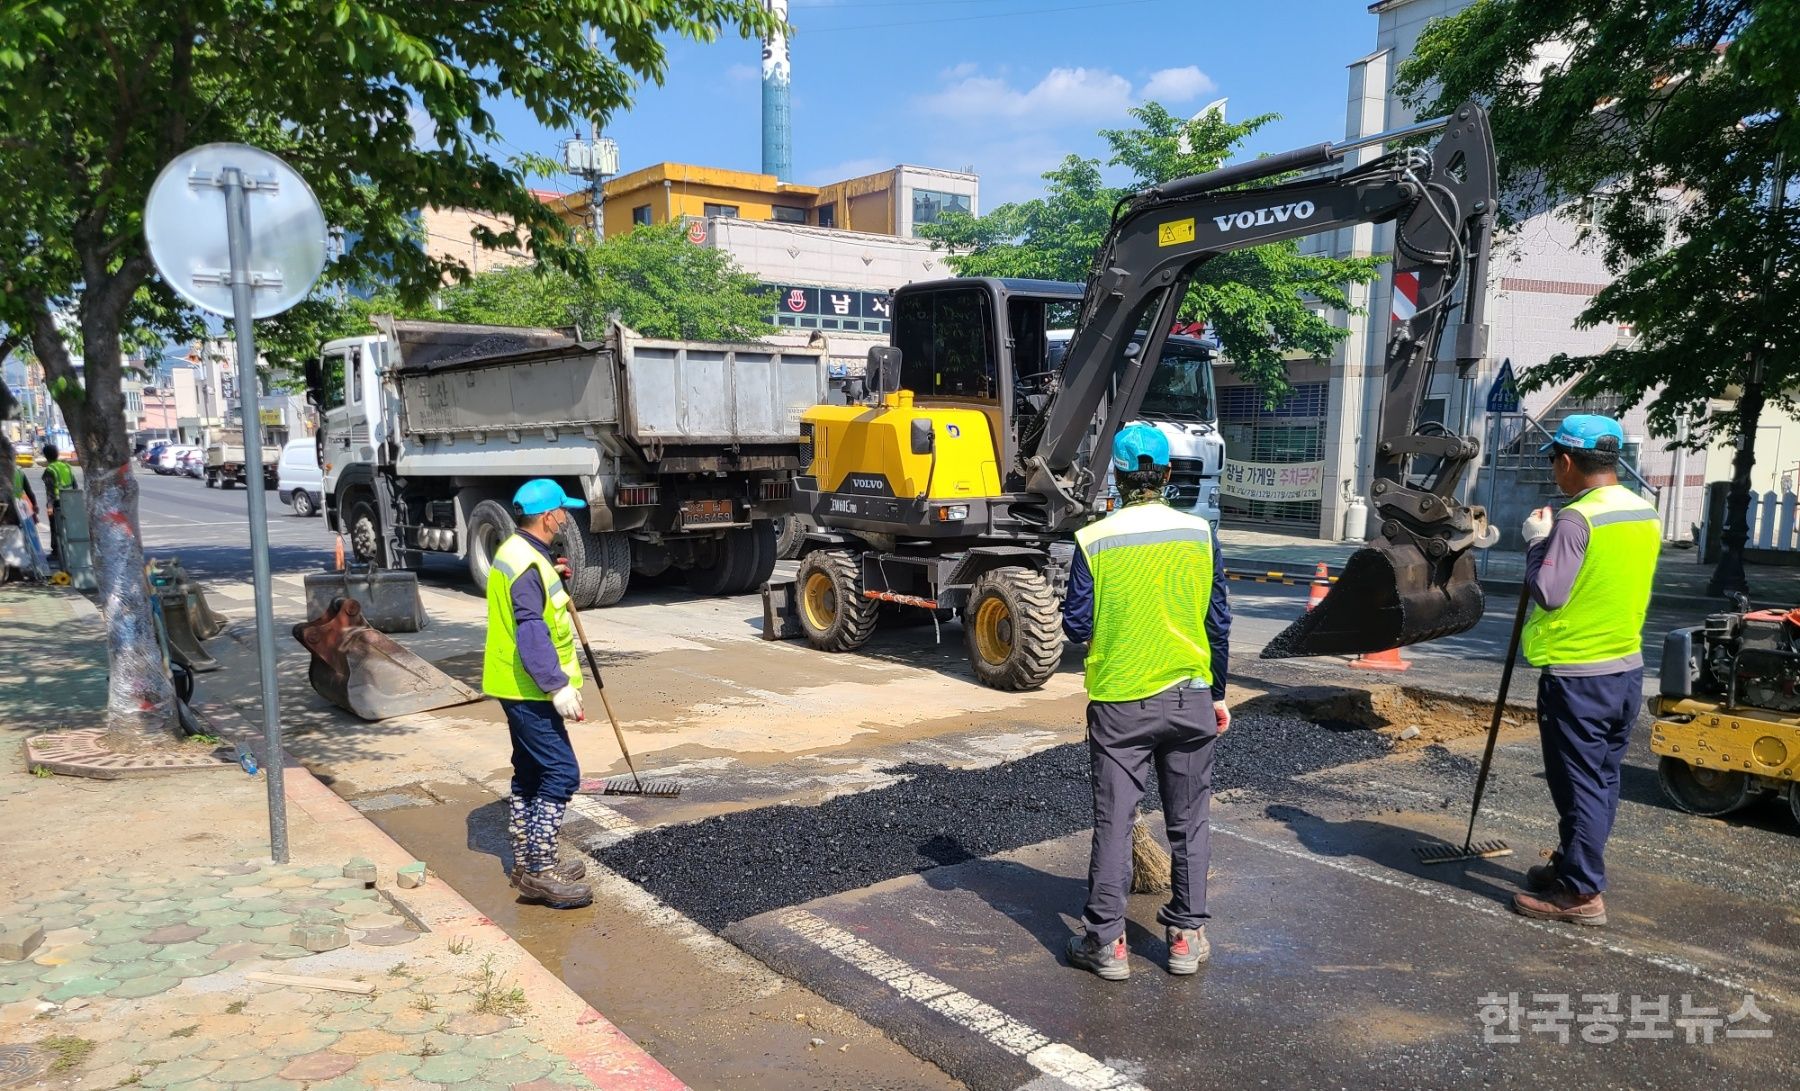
column 781, row 617
column 389, row 600
column 1389, row 595
column 363, row 672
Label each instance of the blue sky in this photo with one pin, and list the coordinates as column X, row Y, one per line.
column 1006, row 87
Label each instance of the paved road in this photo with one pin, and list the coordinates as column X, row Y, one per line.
column 1339, row 955
column 210, row 528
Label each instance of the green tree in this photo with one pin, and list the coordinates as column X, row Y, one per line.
column 653, row 278
column 1671, row 122
column 1259, row 302
column 96, row 96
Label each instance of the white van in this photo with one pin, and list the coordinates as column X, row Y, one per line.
column 298, row 479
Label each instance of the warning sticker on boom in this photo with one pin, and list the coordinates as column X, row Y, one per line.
column 1175, row 232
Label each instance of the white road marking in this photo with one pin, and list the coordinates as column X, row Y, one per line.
column 1452, row 896
column 1054, row 1059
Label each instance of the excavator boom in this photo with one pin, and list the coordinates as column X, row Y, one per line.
column 1414, row 580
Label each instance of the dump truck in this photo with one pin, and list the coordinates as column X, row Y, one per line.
column 959, row 487
column 225, row 459
column 684, row 450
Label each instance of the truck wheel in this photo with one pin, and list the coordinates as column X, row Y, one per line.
column 212, row 480
column 599, row 565
column 1712, row 793
column 790, row 535
column 1013, row 629
column 741, row 562
column 364, row 525
column 489, row 525
column 833, row 611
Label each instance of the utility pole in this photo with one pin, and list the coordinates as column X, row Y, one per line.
column 595, row 159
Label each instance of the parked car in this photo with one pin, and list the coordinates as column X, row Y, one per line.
column 168, row 460
column 299, row 481
column 151, row 453
column 191, row 463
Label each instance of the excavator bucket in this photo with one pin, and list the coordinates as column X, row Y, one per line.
column 390, row 600
column 183, row 629
column 364, row 672
column 205, row 621
column 1390, row 594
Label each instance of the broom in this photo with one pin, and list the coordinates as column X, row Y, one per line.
column 618, row 786
column 1149, row 860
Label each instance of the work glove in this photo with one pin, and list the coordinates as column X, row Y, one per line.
column 1537, row 526
column 1223, row 715
column 568, row 703
column 563, row 569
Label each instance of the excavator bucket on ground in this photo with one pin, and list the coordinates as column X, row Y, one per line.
column 183, row 628
column 390, row 600
column 364, row 672
column 205, row 621
column 1390, row 594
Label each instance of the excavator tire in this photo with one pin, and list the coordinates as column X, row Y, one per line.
column 1794, row 799
column 741, row 562
column 1013, row 629
column 599, row 565
column 833, row 612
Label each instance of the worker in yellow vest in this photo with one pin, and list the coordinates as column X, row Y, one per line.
column 531, row 666
column 1589, row 571
column 1146, row 592
column 58, row 477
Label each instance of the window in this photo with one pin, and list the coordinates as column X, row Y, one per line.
column 930, row 205
column 828, row 215
column 946, row 344
column 729, row 212
column 1181, row 387
column 788, row 214
column 640, row 215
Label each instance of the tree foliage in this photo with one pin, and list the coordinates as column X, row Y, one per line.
column 1260, row 302
column 1663, row 118
column 96, row 96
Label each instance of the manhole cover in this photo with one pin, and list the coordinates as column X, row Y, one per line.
column 21, row 1063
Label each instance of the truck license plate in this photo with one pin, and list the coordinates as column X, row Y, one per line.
column 694, row 512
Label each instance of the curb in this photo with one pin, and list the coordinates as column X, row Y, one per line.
column 601, row 1051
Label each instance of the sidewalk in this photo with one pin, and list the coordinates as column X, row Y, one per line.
column 1680, row 580
column 143, row 906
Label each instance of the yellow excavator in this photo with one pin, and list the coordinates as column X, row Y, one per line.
column 957, row 486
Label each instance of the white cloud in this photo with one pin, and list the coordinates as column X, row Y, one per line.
column 743, row 73
column 1178, row 85
column 1063, row 96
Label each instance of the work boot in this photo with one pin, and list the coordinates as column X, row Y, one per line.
column 1188, row 948
column 1542, row 878
column 1561, row 904
column 571, row 868
column 1109, row 960
column 552, row 889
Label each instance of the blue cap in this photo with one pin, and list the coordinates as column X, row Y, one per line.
column 1137, row 441
column 540, row 495
column 1587, row 432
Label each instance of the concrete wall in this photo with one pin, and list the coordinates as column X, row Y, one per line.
column 449, row 235
column 794, row 254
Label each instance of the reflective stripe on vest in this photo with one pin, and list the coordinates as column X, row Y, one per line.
column 1152, row 569
column 503, row 674
column 1604, row 617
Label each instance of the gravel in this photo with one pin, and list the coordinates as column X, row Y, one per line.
column 731, row 867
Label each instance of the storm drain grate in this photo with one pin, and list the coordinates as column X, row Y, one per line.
column 19, row 1064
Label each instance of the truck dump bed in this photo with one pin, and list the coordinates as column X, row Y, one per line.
column 457, row 379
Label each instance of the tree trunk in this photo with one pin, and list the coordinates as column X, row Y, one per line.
column 1729, row 576
column 141, row 698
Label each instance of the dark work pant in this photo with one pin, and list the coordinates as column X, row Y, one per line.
column 1175, row 732
column 1586, row 725
column 543, row 762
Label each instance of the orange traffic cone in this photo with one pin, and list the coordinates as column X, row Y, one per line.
column 1320, row 585
column 1389, row 660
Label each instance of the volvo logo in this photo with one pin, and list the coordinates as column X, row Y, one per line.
column 1261, row 217
column 868, row 484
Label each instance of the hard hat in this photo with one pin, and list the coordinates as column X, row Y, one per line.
column 1138, row 441
column 1587, row 432
column 540, row 495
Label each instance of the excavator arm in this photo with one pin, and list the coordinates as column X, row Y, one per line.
column 1414, row 581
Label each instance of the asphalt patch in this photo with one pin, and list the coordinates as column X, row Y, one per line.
column 731, row 867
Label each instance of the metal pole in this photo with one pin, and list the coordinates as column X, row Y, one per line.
column 237, row 224
column 1493, row 474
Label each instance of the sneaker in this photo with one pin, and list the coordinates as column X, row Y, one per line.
column 1188, row 948
column 1561, row 905
column 1109, row 960
column 551, row 889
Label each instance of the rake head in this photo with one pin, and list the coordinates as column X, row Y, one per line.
column 628, row 786
column 1444, row 853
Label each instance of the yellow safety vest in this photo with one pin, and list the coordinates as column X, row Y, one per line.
column 1604, row 617
column 65, row 478
column 1153, row 576
column 503, row 675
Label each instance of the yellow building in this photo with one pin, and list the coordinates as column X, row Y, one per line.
column 890, row 202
